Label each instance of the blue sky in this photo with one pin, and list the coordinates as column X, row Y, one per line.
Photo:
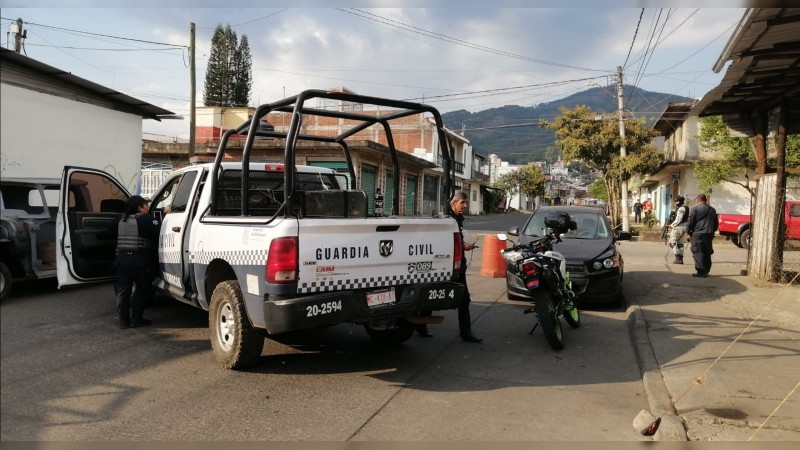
column 455, row 56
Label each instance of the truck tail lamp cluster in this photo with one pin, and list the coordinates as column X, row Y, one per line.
column 457, row 253
column 282, row 260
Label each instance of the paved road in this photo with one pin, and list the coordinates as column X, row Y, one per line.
column 67, row 373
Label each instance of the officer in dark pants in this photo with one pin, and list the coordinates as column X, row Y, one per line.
column 457, row 206
column 137, row 248
column 701, row 226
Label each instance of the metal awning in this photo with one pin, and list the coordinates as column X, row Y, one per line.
column 765, row 70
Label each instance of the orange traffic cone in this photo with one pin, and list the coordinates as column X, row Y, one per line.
column 493, row 265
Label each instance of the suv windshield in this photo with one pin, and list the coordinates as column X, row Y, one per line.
column 591, row 225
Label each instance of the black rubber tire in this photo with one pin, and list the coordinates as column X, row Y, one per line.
column 744, row 239
column 401, row 332
column 234, row 342
column 571, row 314
column 735, row 241
column 5, row 281
column 551, row 325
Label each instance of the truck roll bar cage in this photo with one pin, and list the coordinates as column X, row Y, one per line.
column 296, row 105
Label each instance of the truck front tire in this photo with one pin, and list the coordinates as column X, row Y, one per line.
column 5, row 281
column 235, row 343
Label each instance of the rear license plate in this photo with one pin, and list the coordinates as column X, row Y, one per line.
column 382, row 297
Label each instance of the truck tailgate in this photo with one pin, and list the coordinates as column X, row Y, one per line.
column 339, row 254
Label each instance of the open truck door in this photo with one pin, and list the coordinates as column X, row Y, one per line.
column 90, row 203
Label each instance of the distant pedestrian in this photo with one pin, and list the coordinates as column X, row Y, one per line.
column 647, row 208
column 701, row 226
column 637, row 211
column 378, row 202
column 678, row 229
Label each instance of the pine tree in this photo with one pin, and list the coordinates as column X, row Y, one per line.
column 244, row 77
column 228, row 75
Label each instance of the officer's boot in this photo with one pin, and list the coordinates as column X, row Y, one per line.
column 678, row 259
column 124, row 318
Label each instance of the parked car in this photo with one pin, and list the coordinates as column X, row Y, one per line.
column 595, row 264
column 736, row 227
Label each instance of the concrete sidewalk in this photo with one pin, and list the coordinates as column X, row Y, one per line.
column 719, row 356
column 723, row 352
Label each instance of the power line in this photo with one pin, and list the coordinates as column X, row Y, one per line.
column 397, row 24
column 624, row 65
column 102, row 35
column 107, row 49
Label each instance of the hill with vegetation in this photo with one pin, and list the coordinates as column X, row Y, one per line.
column 513, row 132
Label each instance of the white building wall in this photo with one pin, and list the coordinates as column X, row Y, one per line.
column 42, row 133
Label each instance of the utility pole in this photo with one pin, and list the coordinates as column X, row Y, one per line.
column 19, row 34
column 193, row 84
column 622, row 151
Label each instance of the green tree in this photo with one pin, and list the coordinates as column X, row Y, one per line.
column 598, row 190
column 551, row 154
column 229, row 72
column 597, row 143
column 793, row 151
column 731, row 156
column 528, row 180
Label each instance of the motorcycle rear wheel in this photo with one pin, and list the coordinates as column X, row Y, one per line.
column 548, row 318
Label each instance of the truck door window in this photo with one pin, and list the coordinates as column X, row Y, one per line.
column 183, row 192
column 166, row 196
column 90, row 189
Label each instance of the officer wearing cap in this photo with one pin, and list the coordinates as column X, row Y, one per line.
column 137, row 248
column 678, row 229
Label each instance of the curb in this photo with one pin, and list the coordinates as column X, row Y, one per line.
column 658, row 397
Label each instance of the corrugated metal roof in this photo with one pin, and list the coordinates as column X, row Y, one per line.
column 129, row 103
column 765, row 70
column 675, row 114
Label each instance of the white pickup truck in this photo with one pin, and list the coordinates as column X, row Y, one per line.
column 262, row 258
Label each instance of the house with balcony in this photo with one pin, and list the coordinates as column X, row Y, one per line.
column 680, row 126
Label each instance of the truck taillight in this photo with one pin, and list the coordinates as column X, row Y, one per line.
column 282, row 260
column 457, row 253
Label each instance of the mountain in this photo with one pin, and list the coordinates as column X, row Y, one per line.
column 513, row 133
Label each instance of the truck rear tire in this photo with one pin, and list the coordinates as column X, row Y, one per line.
column 234, row 342
column 5, row 281
column 401, row 332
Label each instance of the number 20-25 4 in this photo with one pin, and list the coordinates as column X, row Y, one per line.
column 440, row 294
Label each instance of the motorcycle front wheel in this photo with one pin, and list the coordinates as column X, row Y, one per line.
column 571, row 314
column 548, row 318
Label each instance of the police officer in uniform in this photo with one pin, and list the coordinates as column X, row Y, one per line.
column 137, row 248
column 678, row 229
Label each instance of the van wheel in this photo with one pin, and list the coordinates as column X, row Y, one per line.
column 5, row 281
column 234, row 342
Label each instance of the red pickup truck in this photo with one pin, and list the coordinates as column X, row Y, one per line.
column 736, row 227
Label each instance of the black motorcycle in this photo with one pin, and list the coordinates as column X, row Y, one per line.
column 543, row 272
